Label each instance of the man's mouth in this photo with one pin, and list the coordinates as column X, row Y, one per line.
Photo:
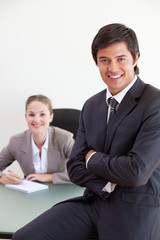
column 115, row 76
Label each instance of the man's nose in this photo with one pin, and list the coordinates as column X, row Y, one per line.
column 113, row 66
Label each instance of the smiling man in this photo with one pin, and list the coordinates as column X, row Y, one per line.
column 116, row 66
column 116, row 155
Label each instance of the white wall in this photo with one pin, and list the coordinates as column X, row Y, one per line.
column 45, row 48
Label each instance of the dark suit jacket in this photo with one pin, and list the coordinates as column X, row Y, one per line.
column 59, row 148
column 128, row 154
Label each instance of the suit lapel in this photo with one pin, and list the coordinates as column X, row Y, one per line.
column 127, row 105
column 101, row 121
column 51, row 155
column 26, row 153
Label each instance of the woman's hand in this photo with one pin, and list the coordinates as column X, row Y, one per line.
column 10, row 178
column 41, row 177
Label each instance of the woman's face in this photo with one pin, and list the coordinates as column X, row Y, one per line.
column 38, row 117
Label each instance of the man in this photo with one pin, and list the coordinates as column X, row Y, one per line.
column 116, row 155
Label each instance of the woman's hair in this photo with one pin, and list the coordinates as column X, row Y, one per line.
column 40, row 98
column 114, row 33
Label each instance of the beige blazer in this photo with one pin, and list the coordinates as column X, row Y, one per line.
column 59, row 149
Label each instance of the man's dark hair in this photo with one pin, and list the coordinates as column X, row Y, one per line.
column 114, row 33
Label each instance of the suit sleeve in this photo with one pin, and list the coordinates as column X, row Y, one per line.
column 6, row 157
column 77, row 170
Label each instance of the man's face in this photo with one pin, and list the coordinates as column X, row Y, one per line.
column 116, row 66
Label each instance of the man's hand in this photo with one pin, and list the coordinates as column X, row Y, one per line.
column 10, row 178
column 40, row 177
column 110, row 186
column 89, row 154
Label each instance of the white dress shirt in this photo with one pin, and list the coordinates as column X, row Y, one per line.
column 40, row 163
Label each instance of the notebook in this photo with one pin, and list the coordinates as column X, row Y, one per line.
column 27, row 186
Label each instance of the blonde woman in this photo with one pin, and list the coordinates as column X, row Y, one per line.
column 42, row 151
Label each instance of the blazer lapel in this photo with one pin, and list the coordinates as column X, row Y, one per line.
column 26, row 154
column 101, row 121
column 51, row 150
column 127, row 105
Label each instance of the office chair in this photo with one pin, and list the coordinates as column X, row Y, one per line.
column 66, row 118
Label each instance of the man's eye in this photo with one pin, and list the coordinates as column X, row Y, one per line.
column 121, row 59
column 31, row 115
column 104, row 60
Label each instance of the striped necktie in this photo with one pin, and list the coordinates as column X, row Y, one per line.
column 112, row 103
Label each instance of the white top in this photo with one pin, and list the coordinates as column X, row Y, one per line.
column 40, row 163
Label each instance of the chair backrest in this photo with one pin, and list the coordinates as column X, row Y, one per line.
column 66, row 118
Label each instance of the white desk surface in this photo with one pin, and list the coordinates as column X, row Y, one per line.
column 19, row 208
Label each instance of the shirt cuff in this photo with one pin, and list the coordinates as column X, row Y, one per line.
column 109, row 187
column 89, row 159
column 1, row 174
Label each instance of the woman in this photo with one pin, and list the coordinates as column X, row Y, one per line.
column 42, row 151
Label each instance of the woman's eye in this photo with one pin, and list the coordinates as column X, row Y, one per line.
column 31, row 115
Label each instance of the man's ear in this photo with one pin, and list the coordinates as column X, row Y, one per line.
column 136, row 59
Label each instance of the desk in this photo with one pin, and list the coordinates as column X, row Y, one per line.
column 18, row 208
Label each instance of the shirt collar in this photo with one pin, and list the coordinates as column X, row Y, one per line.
column 119, row 96
column 35, row 148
